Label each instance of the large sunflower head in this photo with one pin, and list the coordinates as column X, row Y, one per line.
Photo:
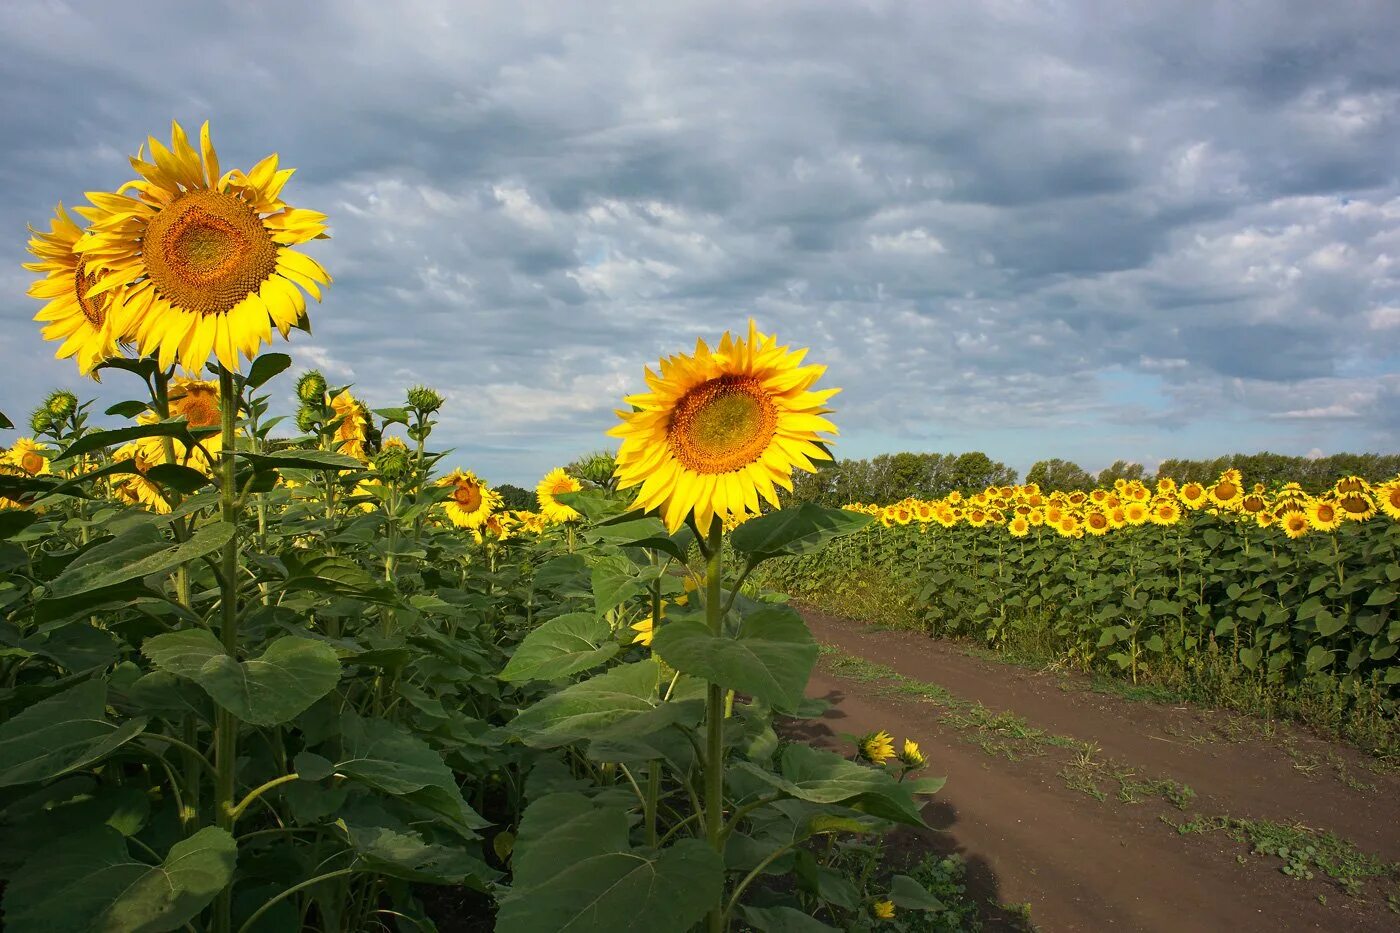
column 1096, row 523
column 89, row 324
column 557, row 481
column 1388, row 497
column 202, row 261
column 1324, row 515
column 1295, row 524
column 722, row 427
column 1164, row 511
column 471, row 501
column 1356, row 506
column 1192, row 495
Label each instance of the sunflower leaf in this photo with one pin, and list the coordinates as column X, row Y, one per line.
column 265, row 367
column 560, row 647
column 795, row 531
column 302, row 460
column 771, row 659
column 177, row 428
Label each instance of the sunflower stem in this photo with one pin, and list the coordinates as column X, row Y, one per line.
column 225, row 724
column 714, row 716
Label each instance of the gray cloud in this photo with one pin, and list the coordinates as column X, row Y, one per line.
column 1091, row 229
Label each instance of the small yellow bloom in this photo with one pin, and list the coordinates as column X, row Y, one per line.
column 911, row 756
column 877, row 747
column 883, row 909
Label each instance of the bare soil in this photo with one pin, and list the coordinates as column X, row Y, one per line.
column 1022, row 817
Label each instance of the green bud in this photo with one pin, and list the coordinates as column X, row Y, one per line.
column 308, row 419
column 311, row 388
column 61, row 404
column 394, row 463
column 41, row 421
column 424, row 399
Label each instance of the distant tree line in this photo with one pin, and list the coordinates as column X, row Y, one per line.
column 891, row 477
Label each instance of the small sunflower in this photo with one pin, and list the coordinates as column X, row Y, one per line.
column 472, row 500
column 87, row 324
column 1388, row 496
column 353, row 429
column 134, row 488
column 1166, row 486
column 883, row 909
column 646, row 628
column 1226, row 491
column 720, row 428
column 1265, row 519
column 1020, row 526
column 1295, row 524
column 556, row 481
column 202, row 261
column 910, row 756
column 1324, row 515
column 877, row 747
column 1350, row 484
column 1165, row 511
column 1356, row 506
column 1253, row 504
column 1192, row 495
column 28, row 455
column 1136, row 513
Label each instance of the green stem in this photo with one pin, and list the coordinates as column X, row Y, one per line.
column 274, row 901
column 714, row 714
column 257, row 792
column 225, row 724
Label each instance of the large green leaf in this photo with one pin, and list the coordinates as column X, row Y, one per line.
column 771, row 658
column 646, row 532
column 91, row 882
column 382, row 755
column 268, row 690
column 403, row 853
column 621, row 703
column 560, row 647
column 615, row 581
column 824, row 777
column 794, row 531
column 66, row 731
column 576, row 871
column 265, row 367
column 135, row 553
column 177, row 428
column 784, row 920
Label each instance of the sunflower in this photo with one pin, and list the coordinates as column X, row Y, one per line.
column 134, row 488
column 1068, row 526
column 877, row 747
column 202, row 261
column 1165, row 511
column 1350, row 484
column 1226, row 492
column 923, row 512
column 498, row 526
column 1388, row 495
column 1166, row 486
column 1265, row 519
column 1356, row 506
column 646, row 628
column 1096, row 523
column 1036, row 518
column 720, row 428
column 1136, row 513
column 882, row 909
column 1324, row 515
column 955, row 497
column 911, row 756
column 1192, row 495
column 28, row 455
column 87, row 324
column 1295, row 524
column 1020, row 526
column 1098, row 496
column 555, row 482
column 353, row 427
column 472, row 500
column 1253, row 504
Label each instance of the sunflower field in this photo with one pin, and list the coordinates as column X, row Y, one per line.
column 267, row 671
column 1281, row 587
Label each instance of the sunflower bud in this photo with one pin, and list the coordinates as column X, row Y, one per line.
column 394, row 463
column 61, row 404
column 424, row 399
column 311, row 388
column 41, row 421
column 308, row 419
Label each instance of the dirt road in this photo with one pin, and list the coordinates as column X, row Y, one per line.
column 1070, row 800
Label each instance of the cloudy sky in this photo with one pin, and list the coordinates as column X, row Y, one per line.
column 1086, row 230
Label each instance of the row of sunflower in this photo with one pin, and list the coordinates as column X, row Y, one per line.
column 1130, row 503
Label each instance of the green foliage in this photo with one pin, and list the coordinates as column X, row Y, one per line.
column 890, row 477
column 1056, row 475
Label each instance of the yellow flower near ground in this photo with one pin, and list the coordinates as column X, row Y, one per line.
column 910, row 755
column 200, row 260
column 882, row 909
column 557, row 481
column 89, row 326
column 877, row 747
column 472, row 501
column 721, row 428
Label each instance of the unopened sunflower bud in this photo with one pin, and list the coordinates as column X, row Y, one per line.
column 308, row 419
column 41, row 421
column 394, row 463
column 311, row 388
column 61, row 404
column 424, row 399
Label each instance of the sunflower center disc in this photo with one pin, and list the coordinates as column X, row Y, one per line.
column 208, row 251
column 468, row 496
column 722, row 425
column 561, row 486
column 32, row 462
column 199, row 406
